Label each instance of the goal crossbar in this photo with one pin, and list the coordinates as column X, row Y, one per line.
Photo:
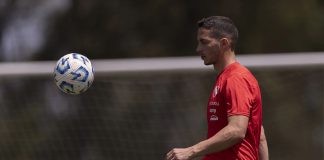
column 103, row 66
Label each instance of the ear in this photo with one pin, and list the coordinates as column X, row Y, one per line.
column 225, row 43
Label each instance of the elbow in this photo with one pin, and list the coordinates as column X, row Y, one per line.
column 238, row 134
column 263, row 139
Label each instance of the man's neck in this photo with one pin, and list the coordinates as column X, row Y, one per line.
column 228, row 59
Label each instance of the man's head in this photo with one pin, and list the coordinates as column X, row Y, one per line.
column 220, row 27
column 216, row 36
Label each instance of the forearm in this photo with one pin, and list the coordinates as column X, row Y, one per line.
column 233, row 133
column 224, row 139
column 263, row 147
column 263, row 151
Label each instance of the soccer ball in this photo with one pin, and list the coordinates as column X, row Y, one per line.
column 73, row 73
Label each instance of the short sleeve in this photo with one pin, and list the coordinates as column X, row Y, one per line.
column 238, row 96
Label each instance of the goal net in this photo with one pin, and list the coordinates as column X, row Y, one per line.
column 139, row 109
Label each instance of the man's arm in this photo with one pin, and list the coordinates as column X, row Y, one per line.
column 263, row 147
column 231, row 134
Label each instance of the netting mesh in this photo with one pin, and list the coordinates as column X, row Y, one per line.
column 143, row 115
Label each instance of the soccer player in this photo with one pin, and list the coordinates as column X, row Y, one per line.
column 234, row 111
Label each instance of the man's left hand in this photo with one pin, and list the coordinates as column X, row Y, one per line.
column 180, row 154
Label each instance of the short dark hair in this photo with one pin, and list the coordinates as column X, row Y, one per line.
column 221, row 27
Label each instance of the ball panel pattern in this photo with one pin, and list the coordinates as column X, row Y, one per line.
column 73, row 73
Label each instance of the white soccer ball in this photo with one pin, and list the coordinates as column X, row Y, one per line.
column 73, row 73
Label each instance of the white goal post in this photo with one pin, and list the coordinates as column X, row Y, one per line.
column 276, row 60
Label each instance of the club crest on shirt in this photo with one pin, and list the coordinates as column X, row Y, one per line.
column 215, row 92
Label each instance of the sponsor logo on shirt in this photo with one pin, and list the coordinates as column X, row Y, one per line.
column 212, row 110
column 213, row 118
column 213, row 103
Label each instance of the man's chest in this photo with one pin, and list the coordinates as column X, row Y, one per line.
column 216, row 110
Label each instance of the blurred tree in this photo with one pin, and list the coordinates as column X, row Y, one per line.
column 285, row 26
column 121, row 29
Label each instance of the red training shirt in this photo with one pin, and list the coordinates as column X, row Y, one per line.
column 236, row 92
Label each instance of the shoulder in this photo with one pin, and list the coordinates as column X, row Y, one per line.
column 241, row 75
column 239, row 72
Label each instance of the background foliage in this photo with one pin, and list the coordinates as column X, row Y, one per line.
column 45, row 30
